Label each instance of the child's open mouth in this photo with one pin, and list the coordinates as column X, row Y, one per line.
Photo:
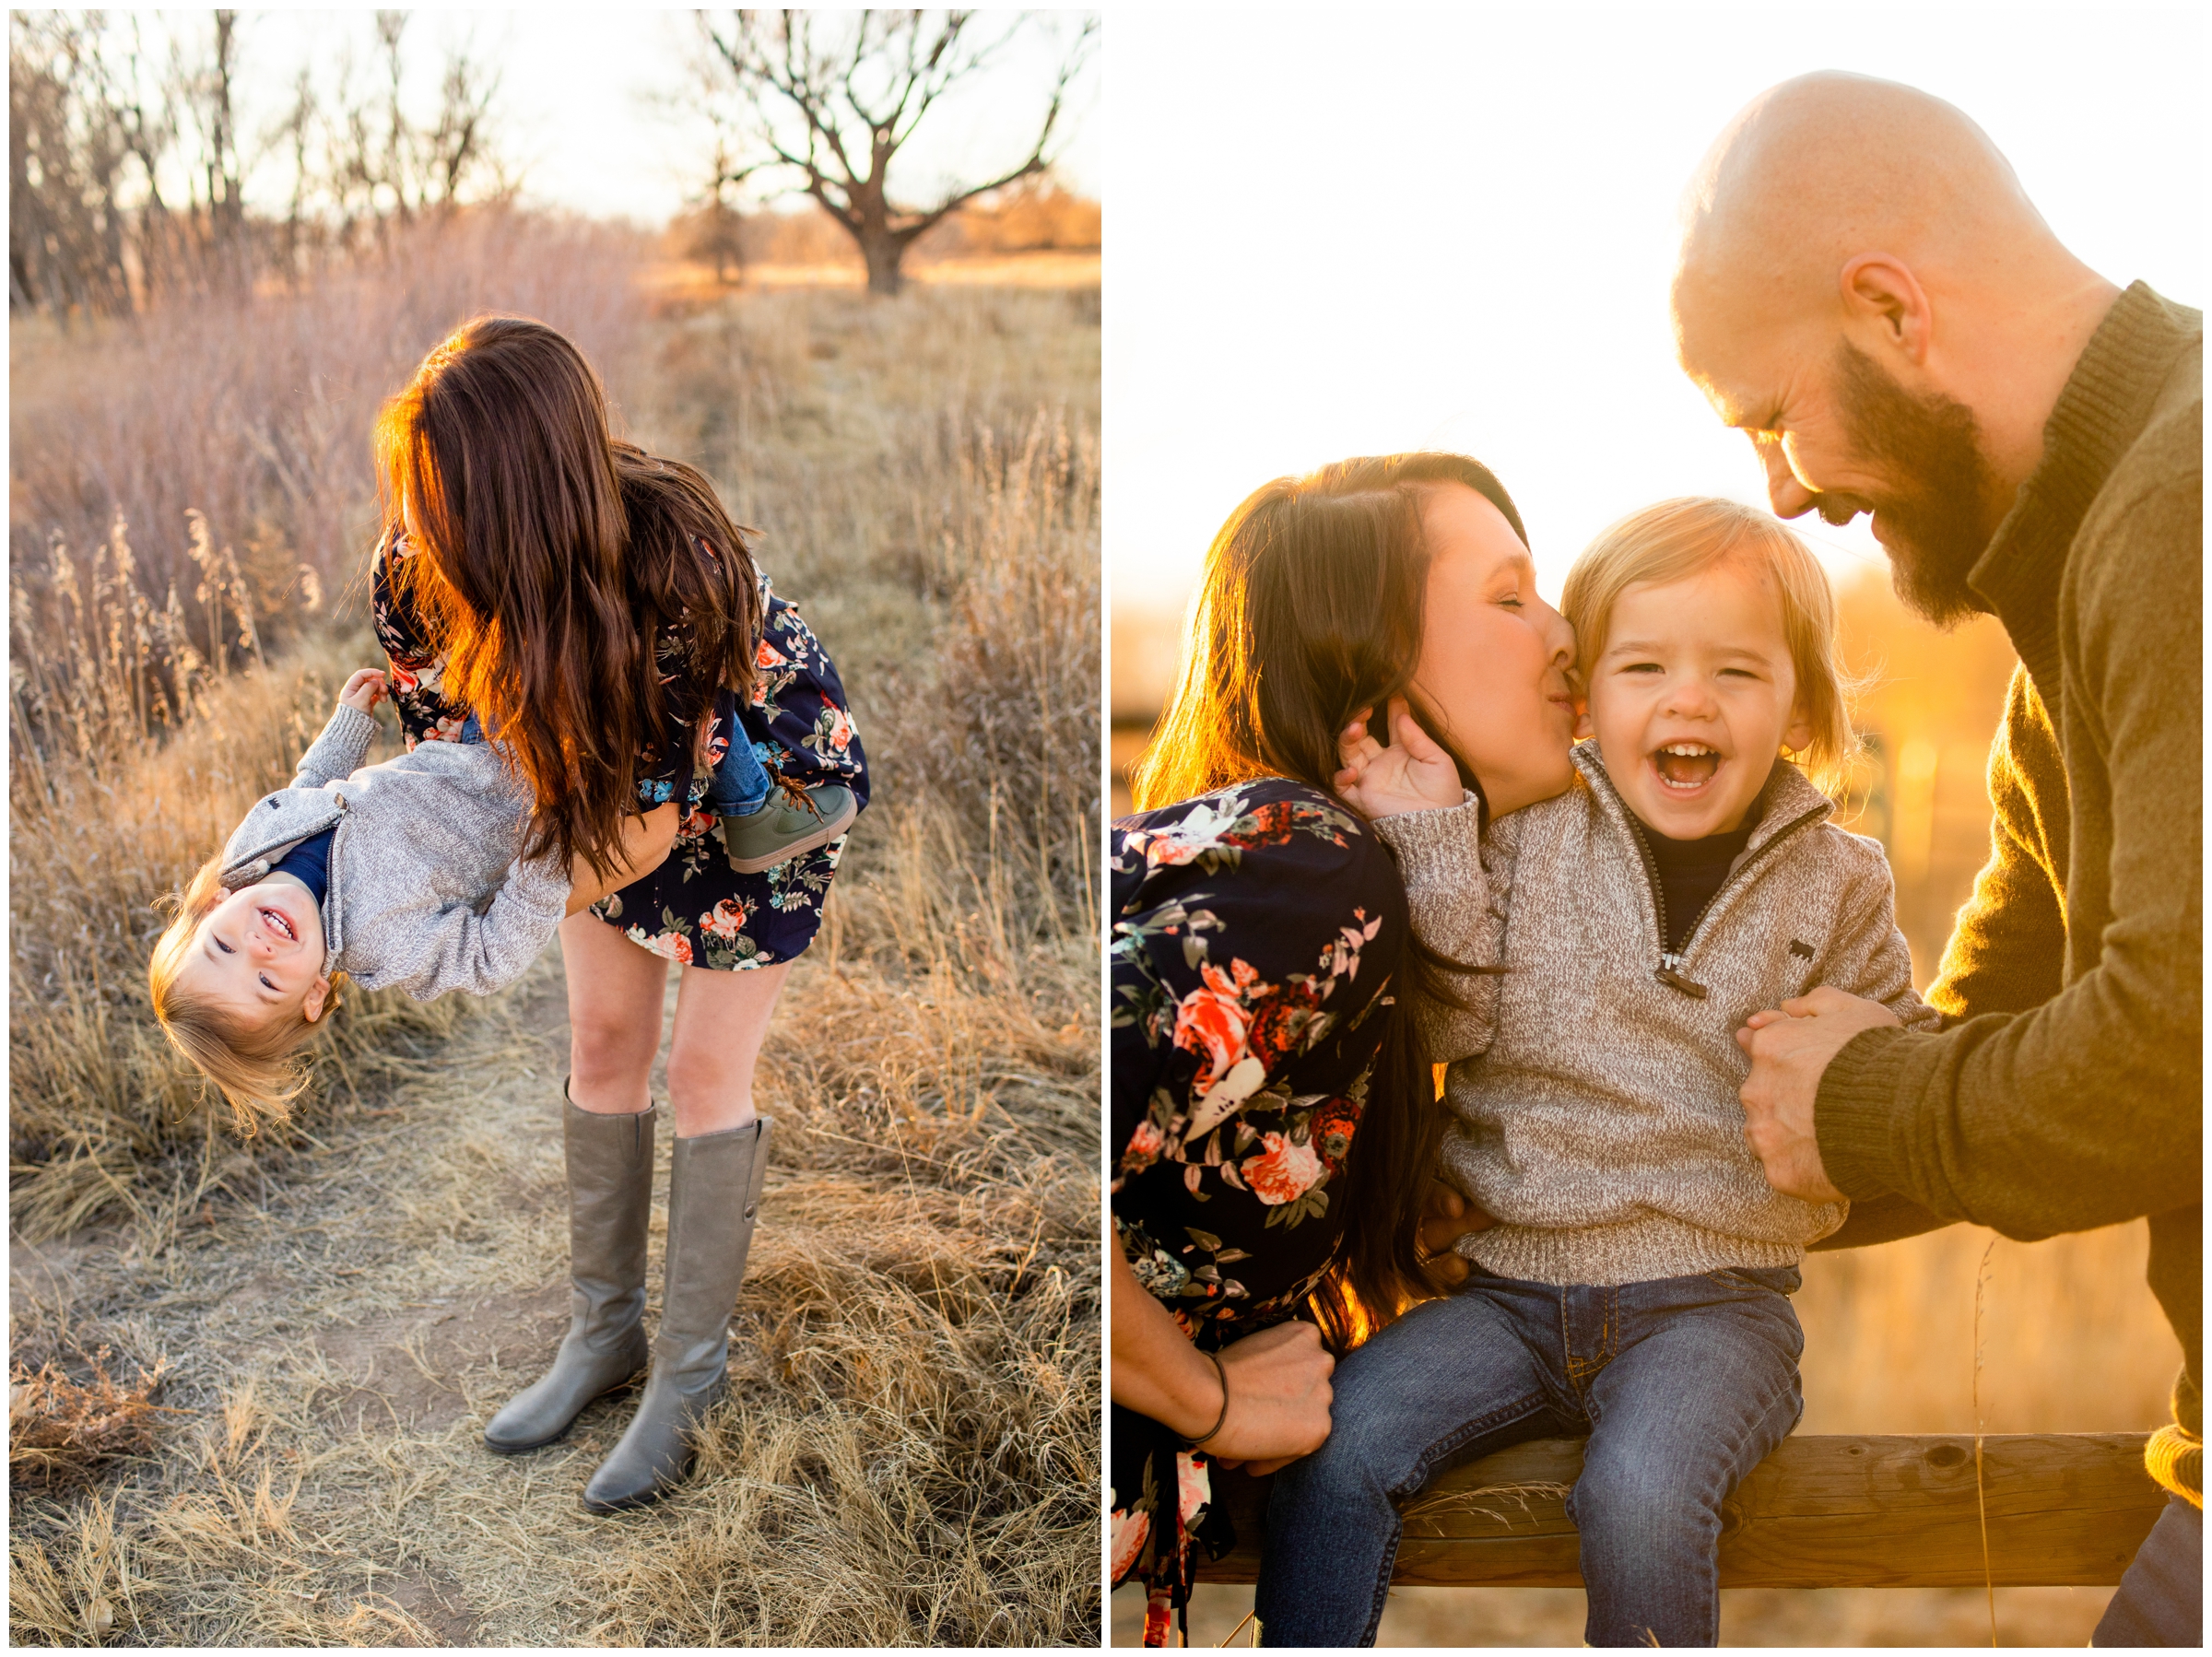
column 275, row 921
column 1686, row 766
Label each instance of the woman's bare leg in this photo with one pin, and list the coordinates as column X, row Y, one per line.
column 615, row 997
column 721, row 1020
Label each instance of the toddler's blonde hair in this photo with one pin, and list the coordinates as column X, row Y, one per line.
column 259, row 1070
column 1677, row 539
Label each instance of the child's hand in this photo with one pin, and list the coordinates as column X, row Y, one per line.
column 364, row 691
column 1415, row 774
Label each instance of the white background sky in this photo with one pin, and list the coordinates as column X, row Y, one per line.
column 1359, row 233
column 577, row 91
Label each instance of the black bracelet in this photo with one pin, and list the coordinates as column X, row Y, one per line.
column 1210, row 1431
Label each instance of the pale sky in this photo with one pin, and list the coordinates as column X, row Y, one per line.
column 578, row 90
column 1356, row 233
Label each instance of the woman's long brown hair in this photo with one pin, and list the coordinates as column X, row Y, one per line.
column 549, row 557
column 1310, row 609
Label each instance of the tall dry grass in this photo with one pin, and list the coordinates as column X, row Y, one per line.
column 252, row 411
column 911, row 1451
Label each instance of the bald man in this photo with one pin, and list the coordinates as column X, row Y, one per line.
column 1864, row 289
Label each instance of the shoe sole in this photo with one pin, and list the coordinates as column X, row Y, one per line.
column 630, row 1504
column 499, row 1449
column 823, row 834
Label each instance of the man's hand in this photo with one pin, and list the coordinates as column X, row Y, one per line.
column 1413, row 775
column 1790, row 1050
column 1446, row 1216
column 364, row 691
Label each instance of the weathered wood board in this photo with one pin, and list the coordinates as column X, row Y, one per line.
column 1837, row 1511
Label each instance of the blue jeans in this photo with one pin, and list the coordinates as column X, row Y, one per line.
column 1683, row 1384
column 2162, row 1597
column 738, row 787
column 739, row 784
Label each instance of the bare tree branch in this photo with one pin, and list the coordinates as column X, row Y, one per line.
column 875, row 84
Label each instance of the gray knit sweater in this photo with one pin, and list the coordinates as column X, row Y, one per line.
column 428, row 890
column 1594, row 1081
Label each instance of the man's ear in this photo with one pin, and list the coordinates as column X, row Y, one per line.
column 318, row 997
column 1882, row 289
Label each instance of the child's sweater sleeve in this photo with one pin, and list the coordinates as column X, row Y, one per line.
column 1455, row 913
column 1868, row 956
column 478, row 954
column 339, row 751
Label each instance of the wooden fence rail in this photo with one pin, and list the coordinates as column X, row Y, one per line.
column 1837, row 1511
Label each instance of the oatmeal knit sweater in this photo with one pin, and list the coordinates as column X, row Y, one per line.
column 1594, row 1081
column 428, row 890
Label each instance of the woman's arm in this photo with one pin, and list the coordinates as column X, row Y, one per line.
column 646, row 843
column 1277, row 1380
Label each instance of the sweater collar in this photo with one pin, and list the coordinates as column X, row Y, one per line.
column 1789, row 797
column 2105, row 404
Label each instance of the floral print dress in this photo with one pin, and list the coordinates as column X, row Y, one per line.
column 1256, row 931
column 694, row 908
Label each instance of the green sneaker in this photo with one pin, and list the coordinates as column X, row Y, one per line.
column 793, row 820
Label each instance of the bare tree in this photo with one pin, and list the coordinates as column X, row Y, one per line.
column 835, row 97
column 386, row 167
column 128, row 162
column 66, row 164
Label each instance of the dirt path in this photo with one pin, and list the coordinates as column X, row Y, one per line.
column 337, row 1347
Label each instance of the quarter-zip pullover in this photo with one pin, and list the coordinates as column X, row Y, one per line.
column 1594, row 1081
column 427, row 888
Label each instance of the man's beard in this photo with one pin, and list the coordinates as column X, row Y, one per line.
column 1931, row 449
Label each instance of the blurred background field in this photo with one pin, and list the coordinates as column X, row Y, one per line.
column 2072, row 1340
column 248, row 1377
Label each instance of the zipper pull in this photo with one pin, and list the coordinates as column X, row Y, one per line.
column 1670, row 975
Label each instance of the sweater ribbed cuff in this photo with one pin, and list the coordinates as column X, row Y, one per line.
column 1418, row 836
column 341, row 747
column 1855, row 1114
column 2176, row 1460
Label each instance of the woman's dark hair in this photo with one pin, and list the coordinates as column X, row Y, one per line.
column 1310, row 609
column 549, row 558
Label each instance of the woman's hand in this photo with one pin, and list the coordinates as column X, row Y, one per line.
column 646, row 843
column 364, row 691
column 1413, row 775
column 1446, row 1217
column 1279, row 1380
column 1279, row 1398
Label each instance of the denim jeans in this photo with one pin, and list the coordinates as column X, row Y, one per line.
column 739, row 784
column 2161, row 1598
column 1683, row 1385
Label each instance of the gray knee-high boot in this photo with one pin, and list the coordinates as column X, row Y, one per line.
column 713, row 1193
column 610, row 1195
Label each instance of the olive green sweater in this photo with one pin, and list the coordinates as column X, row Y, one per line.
column 2065, row 1091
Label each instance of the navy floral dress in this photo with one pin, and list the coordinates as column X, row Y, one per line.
column 1256, row 931
column 694, row 908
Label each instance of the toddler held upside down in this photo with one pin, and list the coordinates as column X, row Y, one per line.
column 410, row 873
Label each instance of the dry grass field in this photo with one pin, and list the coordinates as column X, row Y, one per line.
column 2071, row 1339
column 250, row 1376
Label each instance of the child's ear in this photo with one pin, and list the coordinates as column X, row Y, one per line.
column 1799, row 735
column 1584, row 728
column 318, row 997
